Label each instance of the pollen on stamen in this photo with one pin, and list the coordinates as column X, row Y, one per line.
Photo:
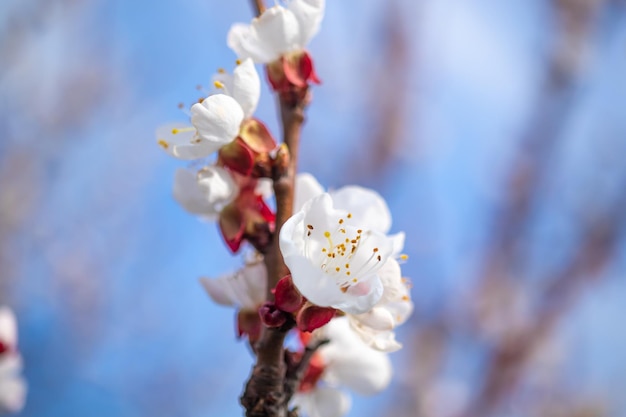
column 404, row 257
column 355, row 280
column 337, row 269
column 218, row 84
column 348, row 273
column 347, row 265
column 379, row 258
column 221, row 70
column 308, row 233
column 342, row 231
column 200, row 100
column 238, row 62
column 375, row 250
column 359, row 231
column 323, row 249
column 340, row 221
column 326, row 234
column 349, row 215
column 163, row 143
column 175, row 131
column 405, row 298
column 309, row 226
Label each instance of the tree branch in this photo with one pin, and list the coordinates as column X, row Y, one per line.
column 258, row 6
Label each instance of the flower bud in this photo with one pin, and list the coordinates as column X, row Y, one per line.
column 272, row 316
column 312, row 317
column 286, row 295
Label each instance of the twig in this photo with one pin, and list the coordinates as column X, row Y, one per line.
column 258, row 6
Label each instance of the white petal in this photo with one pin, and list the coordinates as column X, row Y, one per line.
column 377, row 319
column 12, row 394
column 368, row 208
column 187, row 193
column 246, row 44
column 351, row 363
column 398, row 243
column 181, row 141
column 272, row 34
column 246, row 88
column 217, row 119
column 309, row 14
column 8, row 327
column 264, row 188
column 323, row 402
column 245, row 288
column 306, row 188
column 218, row 185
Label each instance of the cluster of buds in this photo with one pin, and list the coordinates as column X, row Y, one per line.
column 12, row 386
column 343, row 294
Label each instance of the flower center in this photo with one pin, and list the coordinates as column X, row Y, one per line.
column 343, row 253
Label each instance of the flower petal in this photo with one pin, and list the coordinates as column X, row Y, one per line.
column 246, row 44
column 246, row 87
column 245, row 288
column 12, row 394
column 309, row 14
column 181, row 141
column 217, row 119
column 368, row 208
column 307, row 187
column 324, row 402
column 351, row 363
column 8, row 327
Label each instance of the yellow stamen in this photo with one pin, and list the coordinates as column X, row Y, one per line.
column 163, row 143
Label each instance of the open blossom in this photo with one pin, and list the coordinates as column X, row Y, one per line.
column 345, row 362
column 12, row 386
column 277, row 31
column 278, row 38
column 218, row 118
column 334, row 258
column 245, row 290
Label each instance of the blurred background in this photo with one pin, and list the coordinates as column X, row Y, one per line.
column 496, row 130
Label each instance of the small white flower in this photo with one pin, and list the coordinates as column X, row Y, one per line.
column 206, row 192
column 217, row 119
column 333, row 257
column 245, row 289
column 277, row 31
column 348, row 363
column 12, row 385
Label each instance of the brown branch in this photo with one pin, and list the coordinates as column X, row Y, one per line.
column 272, row 382
column 258, row 6
column 265, row 393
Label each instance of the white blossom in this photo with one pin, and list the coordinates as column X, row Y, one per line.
column 334, row 258
column 348, row 364
column 217, row 119
column 279, row 30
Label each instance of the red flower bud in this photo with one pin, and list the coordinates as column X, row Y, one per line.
column 272, row 316
column 312, row 317
column 286, row 295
